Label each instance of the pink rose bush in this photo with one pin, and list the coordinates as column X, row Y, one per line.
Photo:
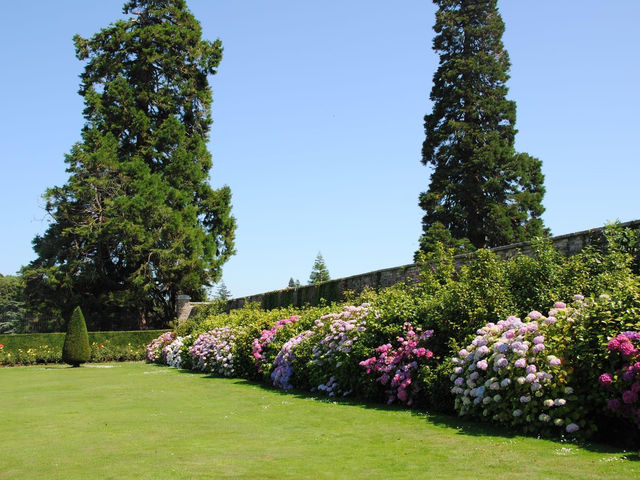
column 397, row 367
column 624, row 383
column 213, row 351
column 155, row 348
column 513, row 374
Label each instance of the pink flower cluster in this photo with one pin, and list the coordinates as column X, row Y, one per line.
column 398, row 366
column 213, row 351
column 267, row 337
column 155, row 348
column 626, row 381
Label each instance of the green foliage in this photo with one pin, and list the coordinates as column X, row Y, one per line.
column 319, row 271
column 137, row 222
column 435, row 381
column 482, row 193
column 535, row 280
column 328, row 291
column 76, row 348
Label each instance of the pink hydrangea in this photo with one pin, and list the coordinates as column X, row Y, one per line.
column 397, row 366
column 627, row 349
column 606, row 379
column 613, row 344
column 538, row 348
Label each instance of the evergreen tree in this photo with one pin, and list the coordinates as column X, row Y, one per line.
column 13, row 313
column 137, row 222
column 319, row 271
column 223, row 293
column 482, row 192
column 76, row 349
column 293, row 283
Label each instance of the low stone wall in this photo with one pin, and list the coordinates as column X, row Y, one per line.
column 333, row 290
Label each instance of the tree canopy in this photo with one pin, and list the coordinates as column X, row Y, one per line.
column 137, row 221
column 482, row 192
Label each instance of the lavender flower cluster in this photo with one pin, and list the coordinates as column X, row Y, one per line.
column 283, row 363
column 509, row 374
column 213, row 351
column 338, row 332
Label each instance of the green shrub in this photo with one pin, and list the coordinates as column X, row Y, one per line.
column 76, row 349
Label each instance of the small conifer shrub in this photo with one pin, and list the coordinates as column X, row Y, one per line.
column 76, row 349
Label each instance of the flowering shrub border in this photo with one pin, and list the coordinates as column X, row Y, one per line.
column 519, row 373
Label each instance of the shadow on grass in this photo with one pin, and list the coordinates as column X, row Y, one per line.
column 459, row 425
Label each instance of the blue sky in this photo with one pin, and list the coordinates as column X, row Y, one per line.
column 318, row 111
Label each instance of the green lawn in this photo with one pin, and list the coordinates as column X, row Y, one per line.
column 138, row 421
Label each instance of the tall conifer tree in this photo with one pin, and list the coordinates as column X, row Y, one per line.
column 482, row 193
column 319, row 271
column 137, row 221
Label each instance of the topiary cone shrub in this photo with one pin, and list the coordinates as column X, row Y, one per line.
column 76, row 349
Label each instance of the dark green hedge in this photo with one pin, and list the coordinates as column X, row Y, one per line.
column 47, row 347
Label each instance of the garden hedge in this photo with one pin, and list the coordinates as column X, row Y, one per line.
column 28, row 348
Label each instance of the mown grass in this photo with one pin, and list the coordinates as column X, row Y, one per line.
column 139, row 421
